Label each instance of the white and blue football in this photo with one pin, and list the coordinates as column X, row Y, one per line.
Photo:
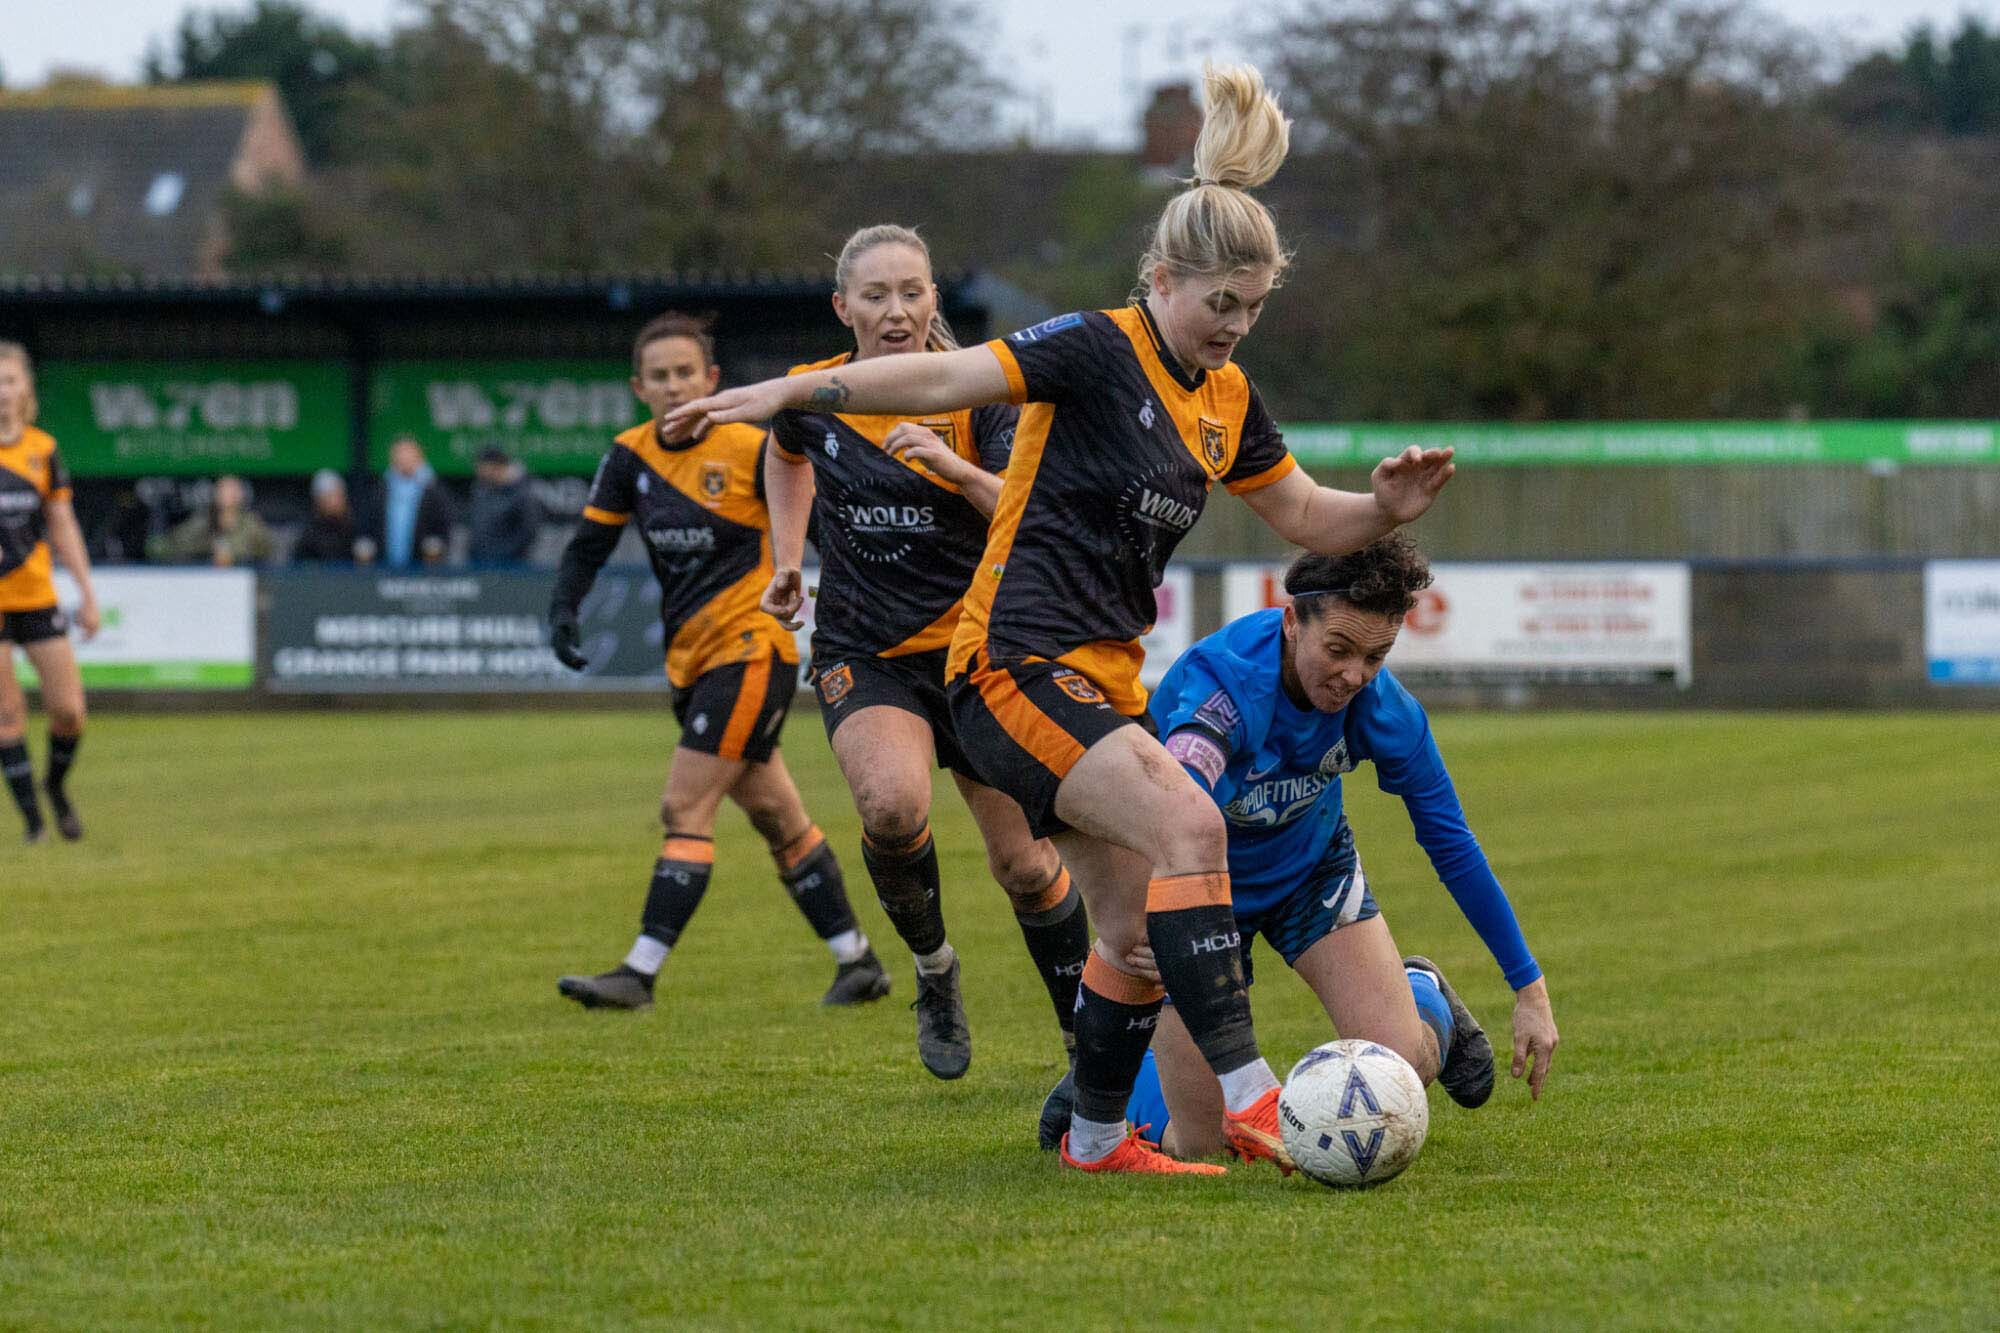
column 1353, row 1113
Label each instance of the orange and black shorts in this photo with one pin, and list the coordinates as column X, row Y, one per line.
column 737, row 711
column 1025, row 724
column 46, row 622
column 913, row 683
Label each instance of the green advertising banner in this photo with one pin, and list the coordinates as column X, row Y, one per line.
column 557, row 417
column 195, row 418
column 1659, row 443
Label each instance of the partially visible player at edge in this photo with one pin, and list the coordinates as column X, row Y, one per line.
column 1132, row 416
column 35, row 516
column 699, row 503
column 901, row 506
column 1265, row 715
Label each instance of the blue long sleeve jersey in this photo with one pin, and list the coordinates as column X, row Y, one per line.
column 1274, row 769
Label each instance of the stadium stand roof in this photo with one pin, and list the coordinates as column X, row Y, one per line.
column 616, row 290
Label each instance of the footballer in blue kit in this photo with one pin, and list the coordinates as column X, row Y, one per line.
column 1267, row 714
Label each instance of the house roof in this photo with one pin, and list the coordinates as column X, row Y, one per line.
column 97, row 179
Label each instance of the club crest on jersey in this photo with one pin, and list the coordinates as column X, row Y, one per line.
column 714, row 480
column 831, row 444
column 645, row 484
column 945, row 429
column 835, row 685
column 1336, row 761
column 1214, row 443
column 1078, row 688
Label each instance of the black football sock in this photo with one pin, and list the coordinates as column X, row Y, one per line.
column 20, row 773
column 1057, row 932
column 811, row 874
column 906, row 884
column 1195, row 945
column 680, row 878
column 1115, row 1015
column 62, row 754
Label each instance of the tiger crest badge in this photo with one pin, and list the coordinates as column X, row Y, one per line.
column 1214, row 443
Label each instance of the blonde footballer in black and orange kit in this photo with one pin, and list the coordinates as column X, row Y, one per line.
column 1130, row 417
column 35, row 516
column 698, row 505
column 901, row 505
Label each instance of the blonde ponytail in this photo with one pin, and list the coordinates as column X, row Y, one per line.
column 1214, row 227
column 938, row 337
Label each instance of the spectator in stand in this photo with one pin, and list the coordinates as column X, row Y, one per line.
column 328, row 536
column 227, row 533
column 505, row 516
column 411, row 522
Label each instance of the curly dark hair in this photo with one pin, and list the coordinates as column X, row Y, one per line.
column 1383, row 577
column 675, row 324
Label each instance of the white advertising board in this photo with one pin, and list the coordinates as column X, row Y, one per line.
column 1962, row 621
column 1602, row 621
column 164, row 629
column 1173, row 632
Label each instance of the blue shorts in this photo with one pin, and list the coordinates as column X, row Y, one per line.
column 1333, row 895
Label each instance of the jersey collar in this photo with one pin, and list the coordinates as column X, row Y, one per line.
column 679, row 448
column 1164, row 355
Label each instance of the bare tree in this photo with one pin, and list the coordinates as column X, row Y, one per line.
column 1600, row 208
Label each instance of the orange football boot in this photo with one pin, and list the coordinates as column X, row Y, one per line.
column 1253, row 1134
column 1134, row 1154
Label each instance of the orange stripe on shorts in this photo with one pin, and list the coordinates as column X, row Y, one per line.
column 1021, row 718
column 1174, row 893
column 749, row 703
column 1120, row 987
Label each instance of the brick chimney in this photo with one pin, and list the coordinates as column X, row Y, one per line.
column 1169, row 128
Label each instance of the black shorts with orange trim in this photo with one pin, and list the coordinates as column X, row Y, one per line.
column 1025, row 724
column 913, row 682
column 737, row 711
column 47, row 622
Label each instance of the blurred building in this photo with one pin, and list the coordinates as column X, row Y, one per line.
column 98, row 179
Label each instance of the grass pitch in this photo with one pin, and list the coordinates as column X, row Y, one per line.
column 281, row 1048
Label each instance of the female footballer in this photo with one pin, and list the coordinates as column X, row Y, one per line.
column 1265, row 715
column 1132, row 415
column 901, row 506
column 35, row 516
column 698, row 499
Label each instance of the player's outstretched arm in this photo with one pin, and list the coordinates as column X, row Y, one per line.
column 1333, row 522
column 1534, row 1034
column 892, row 385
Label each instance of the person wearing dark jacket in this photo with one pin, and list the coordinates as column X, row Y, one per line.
column 328, row 536
column 505, row 515
column 410, row 522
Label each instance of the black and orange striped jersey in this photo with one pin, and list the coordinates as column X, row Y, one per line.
column 700, row 510
column 897, row 544
column 1113, row 460
column 31, row 475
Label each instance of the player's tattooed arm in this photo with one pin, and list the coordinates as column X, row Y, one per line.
column 831, row 396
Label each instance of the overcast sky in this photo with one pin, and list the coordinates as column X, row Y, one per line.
column 1082, row 66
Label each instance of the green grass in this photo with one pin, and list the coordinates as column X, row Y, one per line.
column 281, row 1048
